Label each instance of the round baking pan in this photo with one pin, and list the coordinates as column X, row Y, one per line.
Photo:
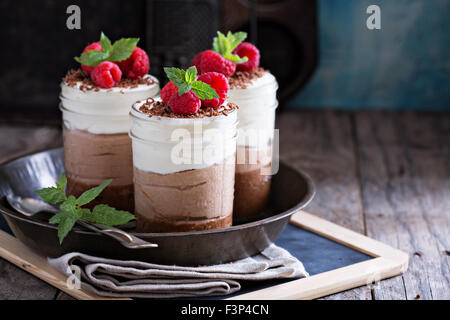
column 291, row 191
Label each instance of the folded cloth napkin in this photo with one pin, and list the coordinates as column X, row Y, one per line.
column 135, row 279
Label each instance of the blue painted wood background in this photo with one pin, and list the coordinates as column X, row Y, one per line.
column 405, row 65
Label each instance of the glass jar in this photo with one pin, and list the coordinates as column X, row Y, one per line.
column 183, row 171
column 96, row 142
column 257, row 105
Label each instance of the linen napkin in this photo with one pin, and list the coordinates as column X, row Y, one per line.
column 135, row 279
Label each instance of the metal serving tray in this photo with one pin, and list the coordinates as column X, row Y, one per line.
column 291, row 191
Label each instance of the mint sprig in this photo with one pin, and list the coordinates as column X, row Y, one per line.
column 187, row 81
column 224, row 45
column 118, row 51
column 72, row 211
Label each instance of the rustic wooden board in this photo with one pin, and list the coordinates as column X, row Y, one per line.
column 323, row 144
column 387, row 262
column 383, row 174
column 405, row 174
column 17, row 253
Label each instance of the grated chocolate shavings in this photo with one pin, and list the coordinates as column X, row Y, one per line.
column 74, row 76
column 241, row 79
column 162, row 109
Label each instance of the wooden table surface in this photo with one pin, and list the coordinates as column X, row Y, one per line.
column 384, row 174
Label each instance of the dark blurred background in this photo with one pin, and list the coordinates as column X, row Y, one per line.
column 320, row 51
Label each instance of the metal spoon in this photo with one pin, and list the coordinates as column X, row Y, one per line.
column 30, row 206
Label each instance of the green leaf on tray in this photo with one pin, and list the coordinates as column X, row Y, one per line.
column 72, row 210
column 107, row 215
column 91, row 194
column 56, row 194
column 66, row 221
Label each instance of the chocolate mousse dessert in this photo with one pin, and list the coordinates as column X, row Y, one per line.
column 95, row 103
column 184, row 151
column 253, row 89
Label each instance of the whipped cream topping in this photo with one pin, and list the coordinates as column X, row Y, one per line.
column 256, row 114
column 168, row 145
column 102, row 111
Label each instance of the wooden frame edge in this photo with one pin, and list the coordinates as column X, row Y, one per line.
column 387, row 262
column 38, row 266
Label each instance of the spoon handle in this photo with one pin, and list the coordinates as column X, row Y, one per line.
column 126, row 239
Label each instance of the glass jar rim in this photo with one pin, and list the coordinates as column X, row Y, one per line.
column 106, row 116
column 138, row 115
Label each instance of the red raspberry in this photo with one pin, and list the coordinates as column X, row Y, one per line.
column 106, row 74
column 136, row 65
column 92, row 46
column 168, row 91
column 213, row 62
column 187, row 103
column 219, row 83
column 246, row 49
column 196, row 61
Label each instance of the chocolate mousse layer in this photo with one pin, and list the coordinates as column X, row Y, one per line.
column 199, row 199
column 252, row 183
column 90, row 159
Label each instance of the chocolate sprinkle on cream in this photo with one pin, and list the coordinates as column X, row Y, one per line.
column 161, row 109
column 241, row 79
column 74, row 76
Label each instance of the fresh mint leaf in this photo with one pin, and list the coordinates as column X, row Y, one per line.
column 236, row 38
column 187, row 80
column 107, row 215
column 123, row 48
column 105, row 42
column 65, row 221
column 221, row 43
column 67, row 218
column 204, row 90
column 216, row 45
column 56, row 194
column 91, row 194
column 51, row 195
column 92, row 58
column 120, row 50
column 224, row 45
column 61, row 184
column 177, row 76
column 71, row 209
column 191, row 74
column 69, row 205
column 235, row 58
column 183, row 88
column 56, row 218
column 180, row 78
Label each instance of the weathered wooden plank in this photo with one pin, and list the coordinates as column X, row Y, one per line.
column 64, row 296
column 17, row 284
column 405, row 174
column 322, row 144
